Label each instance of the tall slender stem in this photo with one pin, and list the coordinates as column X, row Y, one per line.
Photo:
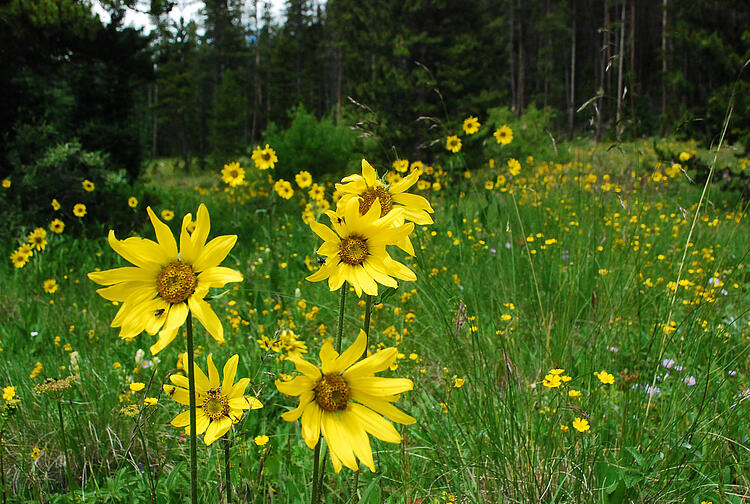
column 65, row 446
column 193, row 427
column 316, row 479
column 227, row 469
column 2, row 465
column 151, row 488
column 366, row 328
column 342, row 305
column 366, row 324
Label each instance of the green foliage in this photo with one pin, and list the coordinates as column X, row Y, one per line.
column 59, row 174
column 317, row 146
column 228, row 126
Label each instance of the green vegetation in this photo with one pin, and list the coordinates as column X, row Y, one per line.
column 531, row 291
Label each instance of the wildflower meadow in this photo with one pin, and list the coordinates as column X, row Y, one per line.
column 210, row 294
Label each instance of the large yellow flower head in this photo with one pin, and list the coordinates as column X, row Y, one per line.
column 166, row 284
column 219, row 402
column 264, row 158
column 232, row 174
column 356, row 250
column 366, row 188
column 453, row 143
column 344, row 401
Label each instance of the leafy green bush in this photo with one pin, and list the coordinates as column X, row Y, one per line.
column 59, row 174
column 531, row 132
column 319, row 147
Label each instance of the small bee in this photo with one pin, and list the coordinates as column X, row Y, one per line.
column 320, row 260
column 159, row 312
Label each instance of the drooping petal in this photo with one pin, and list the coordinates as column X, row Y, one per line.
column 217, row 429
column 375, row 424
column 338, row 439
column 327, row 357
column 176, row 317
column 187, row 249
column 359, row 441
column 383, row 407
column 311, row 417
column 207, row 317
column 165, row 338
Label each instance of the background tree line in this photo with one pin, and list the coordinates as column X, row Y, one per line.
column 205, row 89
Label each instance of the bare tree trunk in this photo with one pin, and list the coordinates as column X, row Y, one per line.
column 571, row 102
column 339, row 82
column 512, row 25
column 633, row 78
column 603, row 69
column 620, row 59
column 663, row 67
column 521, row 65
column 154, row 119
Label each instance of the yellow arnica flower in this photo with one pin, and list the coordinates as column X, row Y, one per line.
column 453, row 143
column 283, row 189
column 57, row 226
column 356, row 250
column 504, row 135
column 50, row 286
column 79, row 209
column 366, row 188
column 581, row 424
column 471, row 125
column 232, row 174
column 132, row 202
column 219, row 403
column 605, row 377
column 343, row 401
column 304, row 179
column 264, row 158
column 38, row 238
column 165, row 284
column 88, row 185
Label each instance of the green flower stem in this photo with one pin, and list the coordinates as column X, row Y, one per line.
column 366, row 328
column 193, row 429
column 316, row 478
column 227, row 469
column 2, row 465
column 342, row 305
column 366, row 325
column 65, row 445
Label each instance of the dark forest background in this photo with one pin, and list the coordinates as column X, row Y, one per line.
column 205, row 90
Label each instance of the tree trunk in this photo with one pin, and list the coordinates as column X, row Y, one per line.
column 620, row 59
column 521, row 65
column 571, row 102
column 663, row 68
column 512, row 28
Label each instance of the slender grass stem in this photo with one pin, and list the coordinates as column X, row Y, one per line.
column 2, row 466
column 227, row 467
column 151, row 487
column 65, row 446
column 193, row 427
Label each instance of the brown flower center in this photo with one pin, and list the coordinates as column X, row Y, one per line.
column 266, row 156
column 368, row 197
column 353, row 250
column 332, row 393
column 215, row 405
column 176, row 282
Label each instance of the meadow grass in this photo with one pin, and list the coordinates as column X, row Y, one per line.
column 571, row 265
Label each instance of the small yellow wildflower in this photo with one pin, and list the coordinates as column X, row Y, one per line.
column 581, row 424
